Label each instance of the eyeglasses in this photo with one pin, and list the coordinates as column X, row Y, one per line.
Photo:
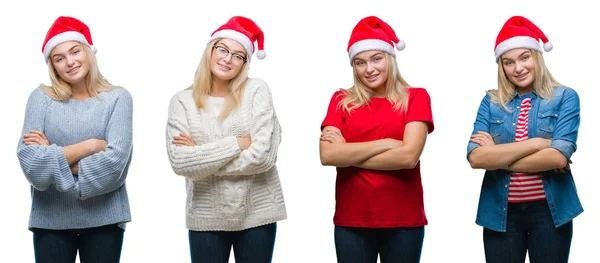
column 236, row 58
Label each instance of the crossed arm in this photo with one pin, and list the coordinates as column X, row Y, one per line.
column 384, row 154
column 73, row 153
column 529, row 156
column 532, row 155
column 249, row 154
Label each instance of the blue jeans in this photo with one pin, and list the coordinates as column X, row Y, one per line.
column 253, row 245
column 529, row 227
column 96, row 245
column 362, row 245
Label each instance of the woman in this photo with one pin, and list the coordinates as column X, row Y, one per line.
column 223, row 136
column 524, row 136
column 75, row 152
column 374, row 133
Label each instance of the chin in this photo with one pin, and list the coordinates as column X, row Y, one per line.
column 375, row 86
column 523, row 85
column 224, row 76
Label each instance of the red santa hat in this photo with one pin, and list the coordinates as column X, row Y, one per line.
column 519, row 32
column 244, row 31
column 372, row 33
column 66, row 29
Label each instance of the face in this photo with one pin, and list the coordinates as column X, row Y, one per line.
column 227, row 59
column 519, row 67
column 70, row 62
column 371, row 68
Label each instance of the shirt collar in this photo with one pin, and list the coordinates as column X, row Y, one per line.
column 533, row 93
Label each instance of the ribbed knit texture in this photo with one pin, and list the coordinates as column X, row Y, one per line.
column 97, row 195
column 228, row 189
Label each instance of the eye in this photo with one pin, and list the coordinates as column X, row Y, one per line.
column 222, row 49
column 507, row 63
column 58, row 60
column 238, row 57
column 359, row 63
column 76, row 52
column 526, row 57
column 377, row 58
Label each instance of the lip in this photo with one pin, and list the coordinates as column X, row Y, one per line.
column 74, row 70
column 372, row 77
column 223, row 67
column 522, row 76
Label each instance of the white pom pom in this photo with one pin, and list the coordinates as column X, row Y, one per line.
column 261, row 54
column 93, row 48
column 400, row 45
column 548, row 46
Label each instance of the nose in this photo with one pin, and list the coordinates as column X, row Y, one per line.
column 227, row 58
column 70, row 61
column 370, row 67
column 519, row 67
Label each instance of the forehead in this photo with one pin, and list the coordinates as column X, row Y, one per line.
column 514, row 53
column 64, row 47
column 367, row 54
column 232, row 45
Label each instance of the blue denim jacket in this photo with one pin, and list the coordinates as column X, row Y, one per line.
column 556, row 119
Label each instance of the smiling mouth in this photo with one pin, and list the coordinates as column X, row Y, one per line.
column 522, row 76
column 223, row 67
column 73, row 70
column 371, row 78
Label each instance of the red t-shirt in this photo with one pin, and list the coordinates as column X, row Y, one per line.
column 371, row 198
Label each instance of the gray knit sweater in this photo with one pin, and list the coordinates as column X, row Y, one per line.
column 97, row 195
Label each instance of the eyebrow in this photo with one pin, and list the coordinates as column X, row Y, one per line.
column 233, row 51
column 376, row 54
column 525, row 52
column 60, row 54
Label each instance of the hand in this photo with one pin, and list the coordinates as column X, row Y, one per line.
column 244, row 142
column 393, row 143
column 483, row 139
column 75, row 168
column 332, row 135
column 35, row 137
column 97, row 145
column 184, row 140
column 564, row 169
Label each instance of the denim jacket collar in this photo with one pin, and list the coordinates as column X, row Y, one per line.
column 533, row 94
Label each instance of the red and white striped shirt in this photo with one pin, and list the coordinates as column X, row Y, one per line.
column 525, row 187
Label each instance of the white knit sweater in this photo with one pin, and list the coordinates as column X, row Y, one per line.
column 228, row 189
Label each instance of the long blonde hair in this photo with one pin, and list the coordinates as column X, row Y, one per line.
column 396, row 89
column 543, row 83
column 203, row 83
column 94, row 81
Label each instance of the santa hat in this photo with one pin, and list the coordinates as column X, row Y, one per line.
column 66, row 29
column 372, row 33
column 244, row 31
column 519, row 32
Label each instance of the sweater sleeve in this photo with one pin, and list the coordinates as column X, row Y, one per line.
column 106, row 171
column 201, row 160
column 265, row 134
column 42, row 165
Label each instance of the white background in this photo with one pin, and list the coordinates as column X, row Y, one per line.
column 153, row 49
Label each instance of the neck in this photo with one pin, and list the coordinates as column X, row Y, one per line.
column 379, row 92
column 525, row 90
column 79, row 91
column 220, row 88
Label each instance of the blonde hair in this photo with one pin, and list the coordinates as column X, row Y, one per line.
column 543, row 83
column 396, row 89
column 203, row 84
column 94, row 81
